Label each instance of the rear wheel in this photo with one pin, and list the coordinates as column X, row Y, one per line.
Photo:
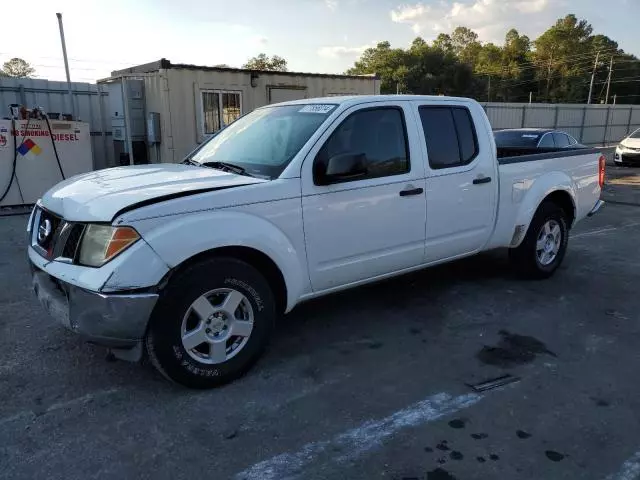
column 211, row 323
column 544, row 247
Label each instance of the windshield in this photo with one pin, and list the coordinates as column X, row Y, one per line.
column 517, row 138
column 635, row 134
column 266, row 140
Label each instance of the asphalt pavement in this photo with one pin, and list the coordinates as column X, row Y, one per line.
column 370, row 383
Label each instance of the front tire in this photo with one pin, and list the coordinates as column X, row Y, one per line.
column 212, row 323
column 544, row 247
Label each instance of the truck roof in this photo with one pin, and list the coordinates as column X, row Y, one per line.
column 358, row 99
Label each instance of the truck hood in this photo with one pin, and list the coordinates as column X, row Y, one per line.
column 631, row 142
column 99, row 196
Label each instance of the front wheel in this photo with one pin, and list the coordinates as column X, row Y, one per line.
column 544, row 247
column 211, row 324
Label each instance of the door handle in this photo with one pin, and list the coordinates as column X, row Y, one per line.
column 481, row 180
column 411, row 191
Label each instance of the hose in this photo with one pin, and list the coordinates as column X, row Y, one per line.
column 14, row 134
column 53, row 142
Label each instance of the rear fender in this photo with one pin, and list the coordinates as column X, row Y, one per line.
column 177, row 239
column 541, row 188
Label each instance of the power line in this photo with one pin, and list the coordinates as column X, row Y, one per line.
column 114, row 62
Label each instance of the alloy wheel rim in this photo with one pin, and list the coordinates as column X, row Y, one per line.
column 548, row 242
column 217, row 326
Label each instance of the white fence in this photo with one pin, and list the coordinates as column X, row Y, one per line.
column 596, row 125
column 53, row 97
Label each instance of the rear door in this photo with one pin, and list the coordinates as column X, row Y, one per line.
column 561, row 140
column 359, row 228
column 461, row 180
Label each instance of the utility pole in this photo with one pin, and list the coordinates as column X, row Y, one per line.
column 549, row 76
column 606, row 100
column 530, row 97
column 66, row 65
column 615, row 98
column 489, row 90
column 593, row 76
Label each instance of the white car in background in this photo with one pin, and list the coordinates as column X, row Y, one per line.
column 628, row 152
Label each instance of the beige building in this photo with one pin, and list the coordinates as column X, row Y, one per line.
column 189, row 102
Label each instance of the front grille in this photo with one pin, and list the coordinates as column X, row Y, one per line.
column 55, row 238
column 73, row 241
column 45, row 231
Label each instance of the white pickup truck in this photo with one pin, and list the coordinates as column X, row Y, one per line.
column 193, row 263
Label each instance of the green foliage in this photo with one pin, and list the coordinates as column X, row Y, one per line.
column 263, row 62
column 556, row 67
column 17, row 68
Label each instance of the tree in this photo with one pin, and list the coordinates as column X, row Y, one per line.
column 263, row 62
column 465, row 44
column 560, row 54
column 386, row 62
column 443, row 42
column 555, row 67
column 18, row 68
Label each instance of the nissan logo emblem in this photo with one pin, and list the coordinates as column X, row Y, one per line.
column 44, row 230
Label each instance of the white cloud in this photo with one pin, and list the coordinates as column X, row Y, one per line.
column 410, row 13
column 260, row 40
column 341, row 51
column 491, row 19
column 331, row 4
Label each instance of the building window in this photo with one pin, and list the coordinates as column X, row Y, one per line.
column 219, row 109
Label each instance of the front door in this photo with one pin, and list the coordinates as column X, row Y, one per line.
column 461, row 184
column 373, row 222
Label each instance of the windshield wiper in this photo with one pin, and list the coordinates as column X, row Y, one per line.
column 227, row 167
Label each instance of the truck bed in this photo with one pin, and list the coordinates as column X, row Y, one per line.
column 507, row 154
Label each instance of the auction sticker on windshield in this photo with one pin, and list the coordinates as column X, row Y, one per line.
column 317, row 109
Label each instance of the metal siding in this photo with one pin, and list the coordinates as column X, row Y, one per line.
column 593, row 135
column 53, row 97
column 540, row 116
column 570, row 117
column 504, row 117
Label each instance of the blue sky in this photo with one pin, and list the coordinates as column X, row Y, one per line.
column 313, row 35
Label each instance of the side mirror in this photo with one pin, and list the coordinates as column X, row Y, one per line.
column 342, row 168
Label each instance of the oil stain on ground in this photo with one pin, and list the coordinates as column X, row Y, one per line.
column 513, row 350
column 439, row 474
column 458, row 423
column 554, row 456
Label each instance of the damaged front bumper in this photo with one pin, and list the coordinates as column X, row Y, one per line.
column 116, row 320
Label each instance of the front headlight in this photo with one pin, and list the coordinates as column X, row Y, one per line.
column 101, row 243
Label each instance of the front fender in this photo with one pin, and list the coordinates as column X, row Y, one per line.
column 533, row 196
column 179, row 238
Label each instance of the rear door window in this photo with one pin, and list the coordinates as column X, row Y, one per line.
column 450, row 136
column 561, row 140
column 547, row 141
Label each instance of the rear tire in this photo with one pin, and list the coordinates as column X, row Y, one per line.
column 545, row 244
column 212, row 323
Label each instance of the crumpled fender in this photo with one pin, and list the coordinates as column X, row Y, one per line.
column 181, row 237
